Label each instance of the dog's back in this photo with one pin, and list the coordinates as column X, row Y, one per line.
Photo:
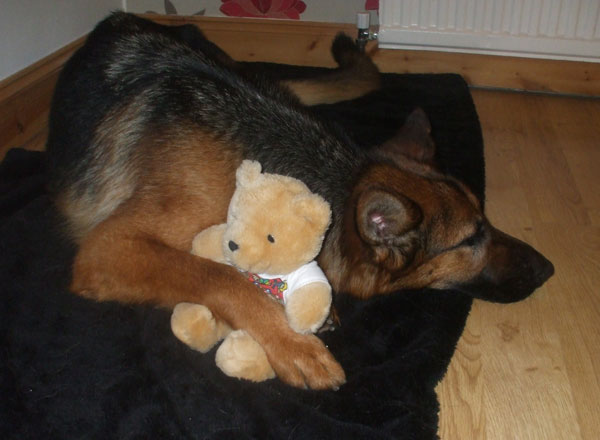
column 135, row 81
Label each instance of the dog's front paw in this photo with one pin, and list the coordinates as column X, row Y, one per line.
column 308, row 307
column 303, row 361
column 241, row 356
column 195, row 325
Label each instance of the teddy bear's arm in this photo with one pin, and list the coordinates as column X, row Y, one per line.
column 208, row 243
column 308, row 306
column 194, row 324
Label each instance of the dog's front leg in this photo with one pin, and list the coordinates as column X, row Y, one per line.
column 117, row 262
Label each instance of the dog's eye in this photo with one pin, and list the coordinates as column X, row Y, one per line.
column 470, row 241
column 476, row 238
column 270, row 238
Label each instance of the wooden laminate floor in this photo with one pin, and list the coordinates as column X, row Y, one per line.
column 531, row 370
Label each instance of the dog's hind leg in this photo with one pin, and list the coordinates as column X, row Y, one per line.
column 356, row 76
column 120, row 261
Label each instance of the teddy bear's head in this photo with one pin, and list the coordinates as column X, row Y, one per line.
column 275, row 224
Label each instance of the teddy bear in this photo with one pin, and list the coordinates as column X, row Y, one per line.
column 274, row 230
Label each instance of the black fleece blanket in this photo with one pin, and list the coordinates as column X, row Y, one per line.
column 72, row 368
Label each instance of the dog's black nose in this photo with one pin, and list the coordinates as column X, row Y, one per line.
column 542, row 270
column 233, row 246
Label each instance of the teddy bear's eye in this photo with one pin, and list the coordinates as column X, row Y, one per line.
column 270, row 238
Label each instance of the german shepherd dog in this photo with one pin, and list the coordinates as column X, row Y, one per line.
column 147, row 127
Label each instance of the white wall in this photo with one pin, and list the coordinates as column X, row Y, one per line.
column 32, row 29
column 336, row 11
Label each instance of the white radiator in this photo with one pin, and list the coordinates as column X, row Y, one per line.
column 559, row 29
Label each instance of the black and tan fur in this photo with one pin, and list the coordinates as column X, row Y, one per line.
column 147, row 127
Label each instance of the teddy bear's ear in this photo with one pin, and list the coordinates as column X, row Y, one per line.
column 248, row 172
column 315, row 209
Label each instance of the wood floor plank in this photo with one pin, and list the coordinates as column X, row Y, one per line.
column 582, row 155
column 461, row 393
column 574, row 307
column 553, row 194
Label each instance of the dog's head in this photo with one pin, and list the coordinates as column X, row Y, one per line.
column 409, row 226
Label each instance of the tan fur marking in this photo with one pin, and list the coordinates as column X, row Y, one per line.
column 450, row 214
column 316, row 92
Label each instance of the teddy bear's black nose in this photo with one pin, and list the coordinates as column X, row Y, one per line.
column 233, row 246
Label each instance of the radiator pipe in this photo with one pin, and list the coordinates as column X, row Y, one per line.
column 363, row 20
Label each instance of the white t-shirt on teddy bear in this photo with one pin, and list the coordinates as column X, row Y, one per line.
column 281, row 286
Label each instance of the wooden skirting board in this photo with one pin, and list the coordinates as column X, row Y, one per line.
column 25, row 97
column 25, row 100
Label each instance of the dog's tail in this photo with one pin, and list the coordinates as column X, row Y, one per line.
column 356, row 76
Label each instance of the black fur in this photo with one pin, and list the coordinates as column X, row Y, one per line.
column 184, row 81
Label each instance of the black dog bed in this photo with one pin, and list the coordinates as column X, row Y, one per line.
column 72, row 368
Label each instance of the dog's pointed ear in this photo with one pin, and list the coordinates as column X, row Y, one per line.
column 413, row 140
column 383, row 217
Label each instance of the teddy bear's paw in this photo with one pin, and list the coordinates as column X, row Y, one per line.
column 241, row 356
column 195, row 325
column 308, row 307
column 208, row 243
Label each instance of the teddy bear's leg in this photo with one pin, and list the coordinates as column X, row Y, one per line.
column 308, row 307
column 241, row 356
column 195, row 325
